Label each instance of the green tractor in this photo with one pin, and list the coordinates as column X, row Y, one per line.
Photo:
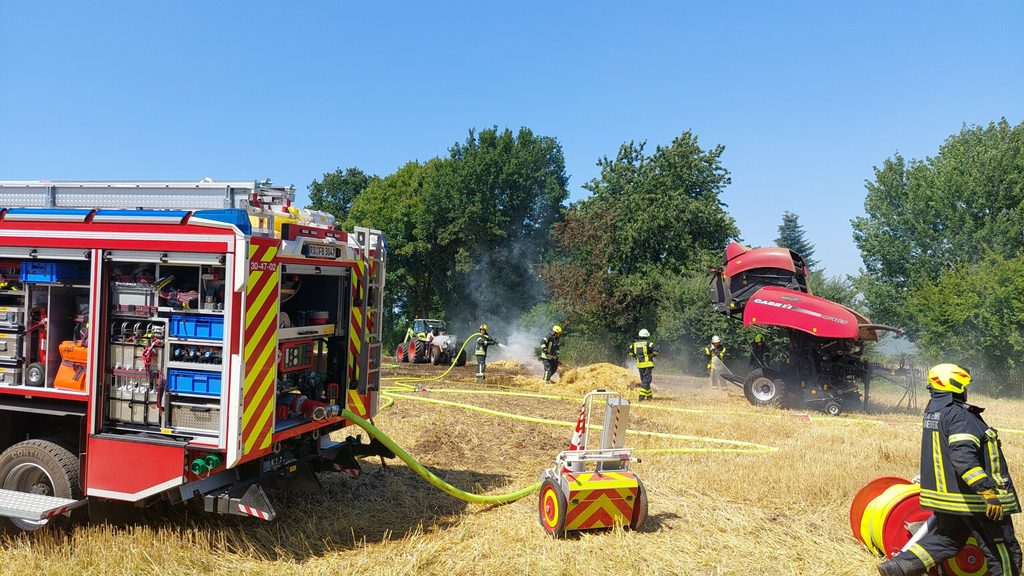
column 428, row 341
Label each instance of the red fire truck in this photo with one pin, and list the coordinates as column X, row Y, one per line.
column 178, row 340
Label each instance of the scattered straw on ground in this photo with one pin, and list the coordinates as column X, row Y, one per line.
column 599, row 376
column 512, row 366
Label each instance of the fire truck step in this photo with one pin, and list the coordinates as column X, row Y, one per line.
column 27, row 506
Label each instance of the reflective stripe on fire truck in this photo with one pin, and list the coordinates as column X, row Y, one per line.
column 356, row 326
column 261, row 317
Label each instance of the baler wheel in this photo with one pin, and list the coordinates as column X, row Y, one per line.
column 763, row 390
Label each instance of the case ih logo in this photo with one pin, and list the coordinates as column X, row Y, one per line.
column 262, row 266
column 773, row 303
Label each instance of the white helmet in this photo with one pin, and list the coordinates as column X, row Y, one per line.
column 644, row 333
column 716, row 340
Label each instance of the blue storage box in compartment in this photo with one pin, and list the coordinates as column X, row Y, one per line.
column 66, row 272
column 193, row 382
column 201, row 327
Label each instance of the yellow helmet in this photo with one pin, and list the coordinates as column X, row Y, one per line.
column 483, row 327
column 556, row 329
column 948, row 378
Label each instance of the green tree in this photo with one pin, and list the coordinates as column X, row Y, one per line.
column 927, row 217
column 972, row 315
column 791, row 235
column 652, row 220
column 337, row 190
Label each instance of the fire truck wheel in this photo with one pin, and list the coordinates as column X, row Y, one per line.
column 419, row 353
column 763, row 389
column 435, row 355
column 39, row 467
column 461, row 360
column 552, row 508
column 640, row 508
column 35, row 373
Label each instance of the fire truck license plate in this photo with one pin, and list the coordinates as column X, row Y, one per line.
column 321, row 251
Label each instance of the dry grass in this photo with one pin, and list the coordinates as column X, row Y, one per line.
column 781, row 513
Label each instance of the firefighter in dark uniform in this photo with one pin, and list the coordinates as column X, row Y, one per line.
column 482, row 343
column 964, row 480
column 758, row 352
column 549, row 352
column 644, row 353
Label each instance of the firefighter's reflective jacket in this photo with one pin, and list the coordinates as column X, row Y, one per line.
column 961, row 455
column 644, row 353
column 711, row 352
column 549, row 348
column 482, row 343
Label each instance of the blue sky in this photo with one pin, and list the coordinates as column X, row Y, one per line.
column 805, row 96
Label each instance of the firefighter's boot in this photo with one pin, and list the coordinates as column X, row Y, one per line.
column 901, row 567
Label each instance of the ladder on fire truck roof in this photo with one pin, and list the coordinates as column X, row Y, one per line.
column 373, row 249
column 205, row 194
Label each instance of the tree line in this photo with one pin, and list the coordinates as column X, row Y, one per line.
column 484, row 234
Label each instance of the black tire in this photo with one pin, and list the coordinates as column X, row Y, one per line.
column 401, row 354
column 639, row 507
column 435, row 355
column 461, row 360
column 39, row 467
column 551, row 509
column 764, row 388
column 833, row 408
column 419, row 352
column 35, row 374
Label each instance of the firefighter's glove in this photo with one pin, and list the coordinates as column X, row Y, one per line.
column 993, row 507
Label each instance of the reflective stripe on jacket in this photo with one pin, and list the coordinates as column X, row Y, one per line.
column 710, row 353
column 549, row 348
column 482, row 343
column 644, row 353
column 960, row 456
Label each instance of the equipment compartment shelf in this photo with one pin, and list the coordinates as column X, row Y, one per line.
column 194, row 366
column 194, row 341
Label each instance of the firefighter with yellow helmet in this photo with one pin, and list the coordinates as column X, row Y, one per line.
column 482, row 343
column 643, row 350
column 964, row 480
column 549, row 351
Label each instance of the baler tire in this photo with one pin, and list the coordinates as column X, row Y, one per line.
column 435, row 355
column 41, row 467
column 461, row 360
column 763, row 390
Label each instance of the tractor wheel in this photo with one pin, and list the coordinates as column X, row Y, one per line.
column 39, row 467
column 461, row 360
column 551, row 509
column 419, row 352
column 762, row 389
column 401, row 355
column 639, row 507
column 35, row 374
column 435, row 355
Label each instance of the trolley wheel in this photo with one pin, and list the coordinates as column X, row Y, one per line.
column 969, row 561
column 461, row 360
column 552, row 508
column 639, row 507
column 35, row 374
column 39, row 467
column 761, row 389
column 833, row 408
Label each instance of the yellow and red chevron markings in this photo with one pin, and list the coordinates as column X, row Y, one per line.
column 261, row 319
column 599, row 500
column 355, row 333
